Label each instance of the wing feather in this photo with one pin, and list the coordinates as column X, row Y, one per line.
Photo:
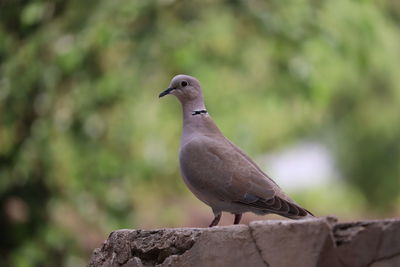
column 219, row 168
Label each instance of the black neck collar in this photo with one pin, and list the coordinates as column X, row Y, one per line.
column 197, row 112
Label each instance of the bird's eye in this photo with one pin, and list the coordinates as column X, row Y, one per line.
column 184, row 83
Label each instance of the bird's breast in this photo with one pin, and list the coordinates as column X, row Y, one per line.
column 198, row 169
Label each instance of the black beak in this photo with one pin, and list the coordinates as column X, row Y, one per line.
column 165, row 92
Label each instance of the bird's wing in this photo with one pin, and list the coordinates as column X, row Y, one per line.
column 216, row 166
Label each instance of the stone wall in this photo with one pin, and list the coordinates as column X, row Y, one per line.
column 311, row 242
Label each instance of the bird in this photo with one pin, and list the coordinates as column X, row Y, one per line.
column 218, row 172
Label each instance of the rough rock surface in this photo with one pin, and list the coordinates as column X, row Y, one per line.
column 312, row 242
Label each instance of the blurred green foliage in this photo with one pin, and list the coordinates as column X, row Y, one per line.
column 86, row 147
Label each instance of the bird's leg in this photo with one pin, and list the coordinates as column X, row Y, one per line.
column 238, row 217
column 217, row 217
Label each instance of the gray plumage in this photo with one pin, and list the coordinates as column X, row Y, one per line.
column 218, row 172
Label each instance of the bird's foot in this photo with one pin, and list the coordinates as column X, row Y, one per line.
column 216, row 220
column 238, row 217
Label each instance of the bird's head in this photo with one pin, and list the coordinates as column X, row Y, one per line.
column 184, row 87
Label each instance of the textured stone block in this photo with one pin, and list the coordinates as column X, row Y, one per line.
column 308, row 243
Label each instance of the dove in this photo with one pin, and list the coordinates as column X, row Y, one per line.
column 218, row 172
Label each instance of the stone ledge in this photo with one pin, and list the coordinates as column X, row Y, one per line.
column 311, row 242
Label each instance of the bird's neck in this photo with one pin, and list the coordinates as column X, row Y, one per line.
column 197, row 123
column 188, row 108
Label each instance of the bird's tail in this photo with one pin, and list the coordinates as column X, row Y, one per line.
column 307, row 215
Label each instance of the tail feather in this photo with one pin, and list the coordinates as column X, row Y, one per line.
column 279, row 206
